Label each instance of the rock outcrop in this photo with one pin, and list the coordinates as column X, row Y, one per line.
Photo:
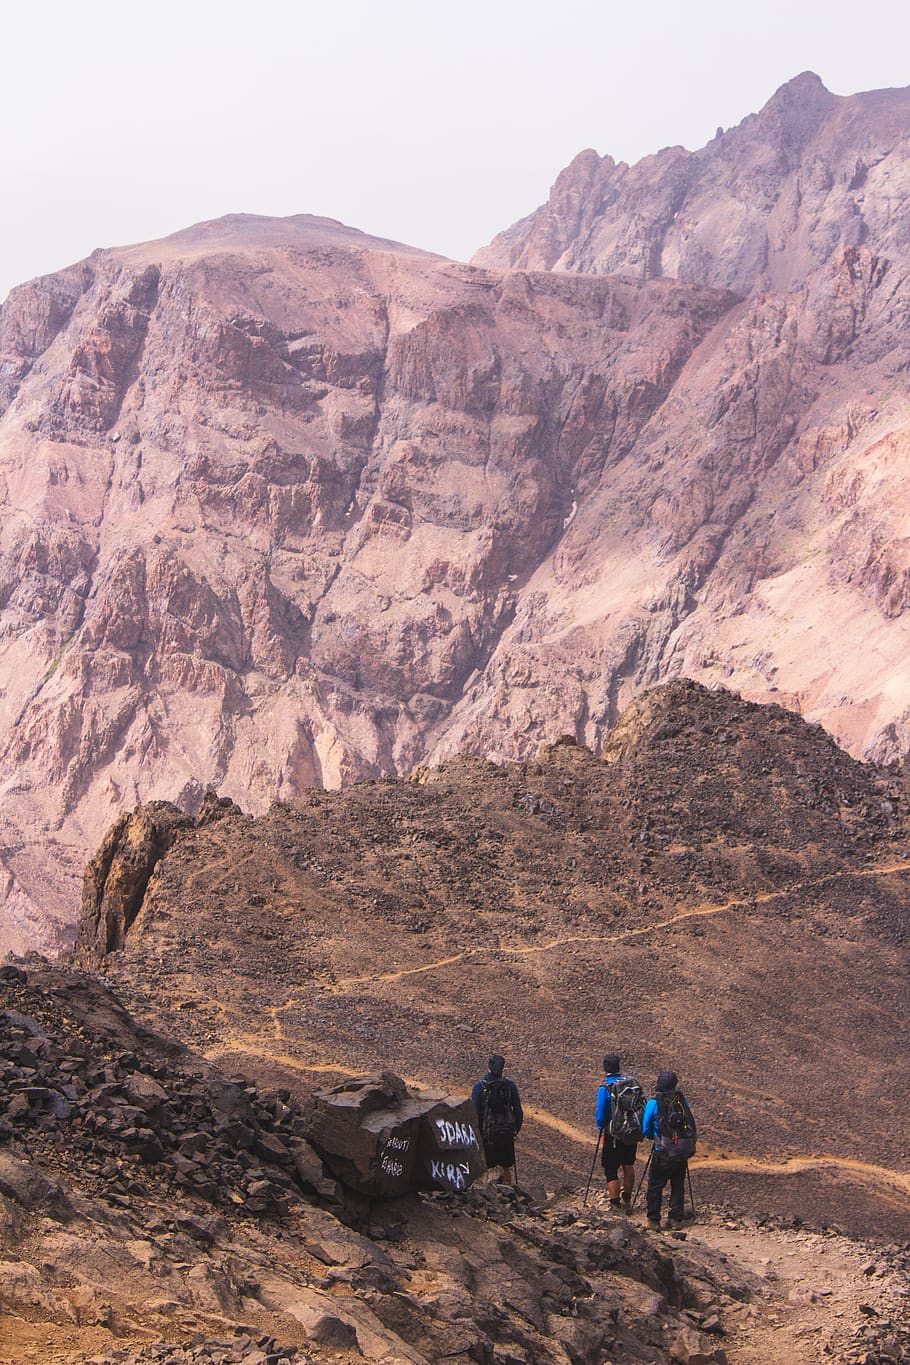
column 290, row 506
column 117, row 877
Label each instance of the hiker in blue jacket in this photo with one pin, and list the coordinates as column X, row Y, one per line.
column 669, row 1123
column 620, row 1102
column 500, row 1115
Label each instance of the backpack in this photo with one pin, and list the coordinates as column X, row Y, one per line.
column 627, row 1110
column 675, row 1128
column 498, row 1118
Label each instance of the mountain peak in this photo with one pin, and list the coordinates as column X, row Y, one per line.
column 800, row 104
column 807, row 83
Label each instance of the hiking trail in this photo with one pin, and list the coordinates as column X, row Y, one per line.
column 694, row 912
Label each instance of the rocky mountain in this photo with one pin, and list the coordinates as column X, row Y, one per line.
column 287, row 506
column 724, row 891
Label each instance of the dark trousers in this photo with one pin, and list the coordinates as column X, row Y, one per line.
column 659, row 1173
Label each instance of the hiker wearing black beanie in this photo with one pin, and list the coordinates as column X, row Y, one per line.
column 669, row 1123
column 500, row 1115
column 620, row 1107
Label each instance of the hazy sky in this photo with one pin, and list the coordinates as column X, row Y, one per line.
column 434, row 123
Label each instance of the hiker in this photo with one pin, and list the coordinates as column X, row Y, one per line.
column 500, row 1115
column 669, row 1123
column 620, row 1113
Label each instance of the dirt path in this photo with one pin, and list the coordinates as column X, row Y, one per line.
column 811, row 1291
column 695, row 912
column 815, row 1297
column 708, row 1159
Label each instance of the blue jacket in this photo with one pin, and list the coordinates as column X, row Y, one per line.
column 649, row 1124
column 603, row 1100
column 477, row 1099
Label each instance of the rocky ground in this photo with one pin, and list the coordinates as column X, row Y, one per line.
column 822, row 1296
column 152, row 1211
column 723, row 891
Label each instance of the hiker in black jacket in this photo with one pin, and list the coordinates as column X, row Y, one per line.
column 500, row 1115
column 669, row 1123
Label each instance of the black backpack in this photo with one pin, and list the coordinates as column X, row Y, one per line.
column 498, row 1118
column 627, row 1110
column 675, row 1128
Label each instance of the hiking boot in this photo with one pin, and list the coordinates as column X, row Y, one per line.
column 655, row 1222
column 627, row 1203
column 675, row 1220
column 615, row 1205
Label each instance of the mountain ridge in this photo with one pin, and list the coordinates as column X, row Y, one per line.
column 787, row 161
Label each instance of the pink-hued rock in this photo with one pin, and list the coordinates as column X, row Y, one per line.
column 288, row 505
column 764, row 205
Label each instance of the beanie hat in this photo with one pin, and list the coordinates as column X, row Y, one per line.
column 611, row 1063
column 496, row 1064
column 667, row 1081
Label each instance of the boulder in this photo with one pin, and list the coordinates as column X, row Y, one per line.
column 383, row 1138
column 27, row 1185
column 144, row 1092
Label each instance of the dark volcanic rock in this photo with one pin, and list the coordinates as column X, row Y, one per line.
column 73, row 1067
column 384, row 1138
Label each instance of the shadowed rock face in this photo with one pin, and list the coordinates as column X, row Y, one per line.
column 286, row 505
column 117, row 876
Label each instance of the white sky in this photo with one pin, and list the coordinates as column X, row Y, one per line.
column 433, row 123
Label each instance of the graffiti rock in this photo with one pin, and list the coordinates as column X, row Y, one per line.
column 383, row 1138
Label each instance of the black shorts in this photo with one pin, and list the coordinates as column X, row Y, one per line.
column 616, row 1154
column 499, row 1150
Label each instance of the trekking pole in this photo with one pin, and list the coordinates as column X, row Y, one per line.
column 600, row 1133
column 642, row 1181
column 691, row 1196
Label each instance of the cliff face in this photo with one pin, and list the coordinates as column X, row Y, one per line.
column 274, row 492
column 287, row 505
column 779, row 466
